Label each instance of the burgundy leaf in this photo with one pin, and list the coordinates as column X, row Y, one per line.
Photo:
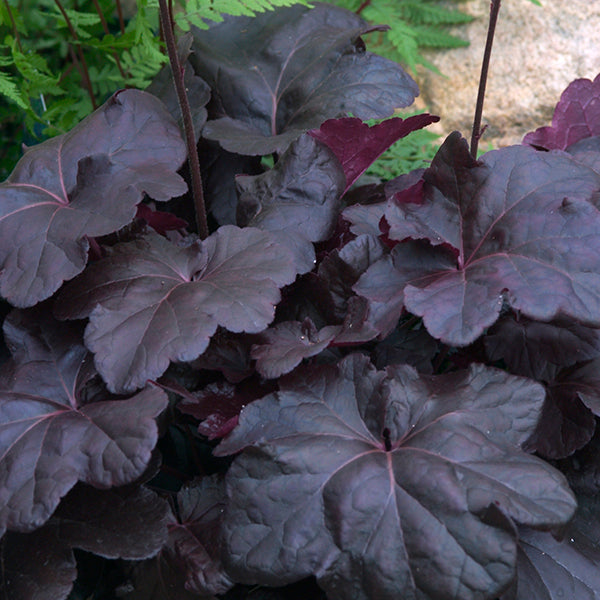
column 49, row 440
column 299, row 198
column 218, row 406
column 283, row 72
column 341, row 268
column 576, row 116
column 540, row 350
column 118, row 523
column 523, row 232
column 357, row 145
column 229, row 353
column 151, row 302
column 127, row 522
column 82, row 184
column 550, row 569
column 379, row 482
column 36, row 566
column 565, row 424
column 196, row 537
column 160, row 221
column 283, row 346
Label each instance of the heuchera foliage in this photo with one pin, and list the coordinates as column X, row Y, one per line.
column 343, row 391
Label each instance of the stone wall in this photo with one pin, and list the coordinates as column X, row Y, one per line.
column 537, row 52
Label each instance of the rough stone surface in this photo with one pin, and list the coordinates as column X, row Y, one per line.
column 537, row 52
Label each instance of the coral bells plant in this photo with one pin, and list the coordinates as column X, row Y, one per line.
column 336, row 390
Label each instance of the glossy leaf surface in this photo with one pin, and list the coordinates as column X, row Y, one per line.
column 518, row 226
column 380, row 482
column 281, row 73
column 82, row 184
column 151, row 301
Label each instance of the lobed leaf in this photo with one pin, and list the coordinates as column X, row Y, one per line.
column 50, row 438
column 518, row 227
column 386, row 484
column 297, row 200
column 151, row 302
column 550, row 568
column 82, row 184
column 281, row 73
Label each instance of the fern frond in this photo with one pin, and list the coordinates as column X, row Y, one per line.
column 78, row 19
column 198, row 12
column 431, row 14
column 10, row 90
column 436, row 38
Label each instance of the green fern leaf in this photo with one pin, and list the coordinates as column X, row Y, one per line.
column 10, row 90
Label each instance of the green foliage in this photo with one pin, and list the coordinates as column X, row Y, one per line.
column 198, row 12
column 414, row 25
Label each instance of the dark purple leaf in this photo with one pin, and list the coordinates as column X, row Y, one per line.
column 82, row 184
column 357, row 145
column 188, row 566
column 218, row 406
column 196, row 537
column 380, row 482
column 384, row 282
column 523, row 231
column 127, row 522
column 36, row 566
column 551, row 569
column 151, row 302
column 576, row 116
column 565, row 424
column 283, row 72
column 587, row 152
column 219, row 169
column 229, row 353
column 341, row 269
column 413, row 347
column 540, row 350
column 367, row 216
column 118, row 523
column 583, row 382
column 282, row 347
column 49, row 440
column 298, row 198
column 162, row 578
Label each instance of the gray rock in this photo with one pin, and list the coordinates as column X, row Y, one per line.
column 537, row 52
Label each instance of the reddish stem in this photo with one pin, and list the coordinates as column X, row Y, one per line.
column 188, row 125
column 363, row 6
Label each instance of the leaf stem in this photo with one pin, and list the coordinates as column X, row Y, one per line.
column 84, row 68
column 188, row 125
column 476, row 135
